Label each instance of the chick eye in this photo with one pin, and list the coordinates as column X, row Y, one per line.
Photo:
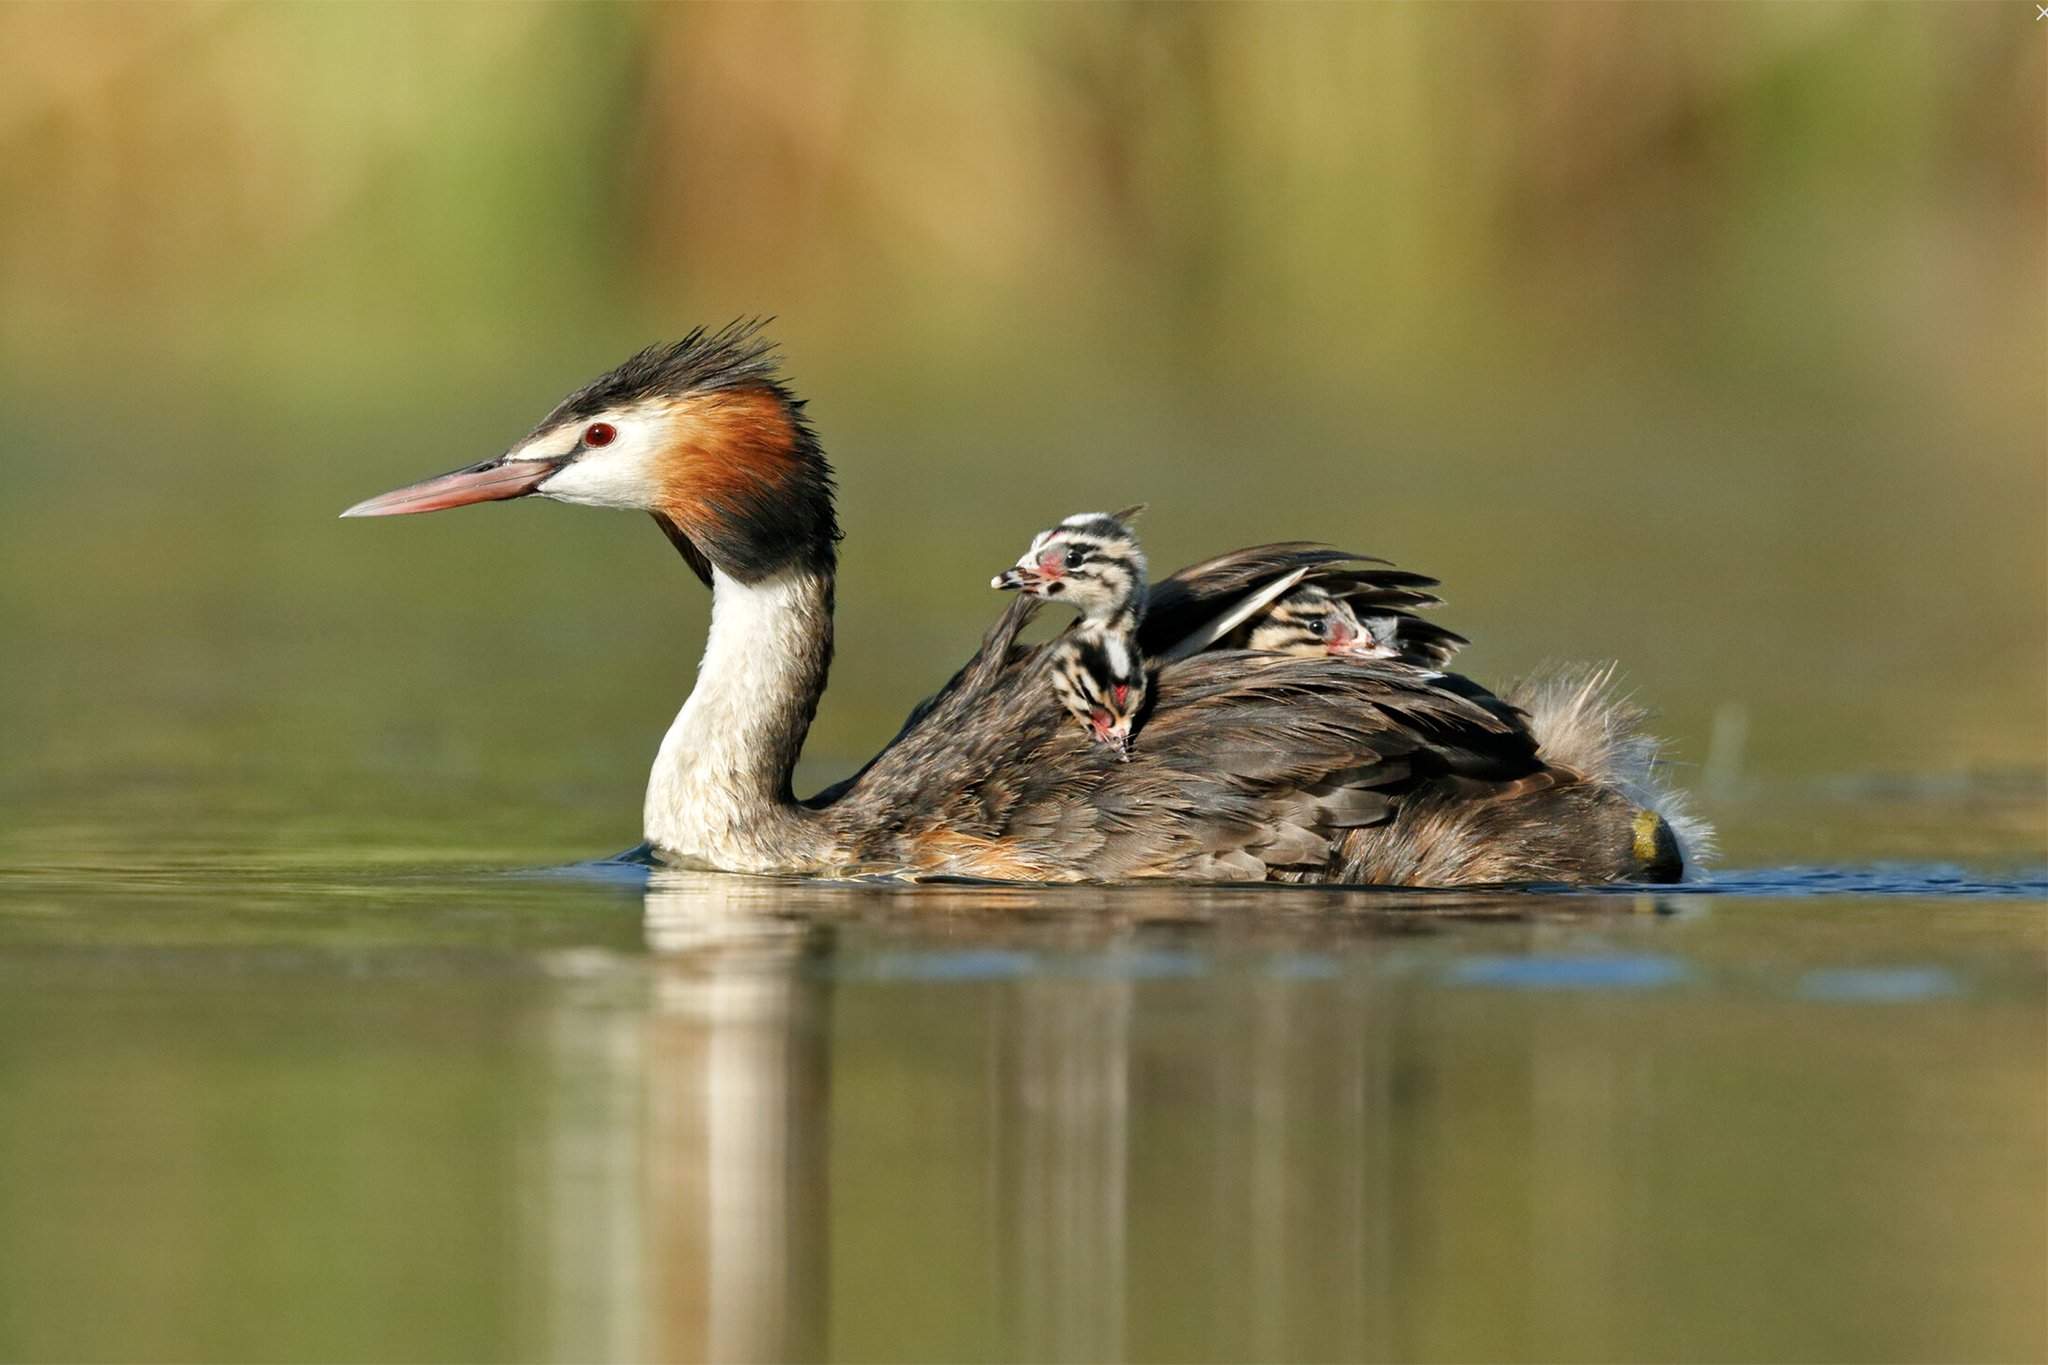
column 600, row 434
column 1076, row 558
column 1315, row 627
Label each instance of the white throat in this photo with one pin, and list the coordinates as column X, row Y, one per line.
column 719, row 793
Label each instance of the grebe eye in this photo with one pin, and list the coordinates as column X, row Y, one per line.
column 1315, row 627
column 1076, row 558
column 600, row 434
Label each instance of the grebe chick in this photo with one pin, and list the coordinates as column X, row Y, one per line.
column 1311, row 621
column 1101, row 682
column 1092, row 562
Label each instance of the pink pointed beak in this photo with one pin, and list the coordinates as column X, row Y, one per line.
column 491, row 481
column 1362, row 646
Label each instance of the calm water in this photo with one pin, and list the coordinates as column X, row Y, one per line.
column 357, row 1103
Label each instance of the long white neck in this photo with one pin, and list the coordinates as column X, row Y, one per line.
column 719, row 795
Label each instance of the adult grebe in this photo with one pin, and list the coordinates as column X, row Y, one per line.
column 1253, row 765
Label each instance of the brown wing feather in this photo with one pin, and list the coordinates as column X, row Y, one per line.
column 999, row 651
column 1247, row 764
column 1186, row 601
column 1398, row 593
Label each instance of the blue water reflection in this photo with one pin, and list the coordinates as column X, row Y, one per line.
column 1880, row 984
column 1569, row 973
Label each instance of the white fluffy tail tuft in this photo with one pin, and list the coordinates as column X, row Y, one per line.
column 1581, row 723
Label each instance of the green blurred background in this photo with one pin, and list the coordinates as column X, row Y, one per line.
column 1707, row 338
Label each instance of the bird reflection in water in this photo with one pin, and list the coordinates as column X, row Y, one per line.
column 1101, row 1120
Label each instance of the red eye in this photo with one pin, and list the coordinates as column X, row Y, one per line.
column 600, row 434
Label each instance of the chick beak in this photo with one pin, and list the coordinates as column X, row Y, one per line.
column 1112, row 732
column 1361, row 647
column 1023, row 579
column 492, row 481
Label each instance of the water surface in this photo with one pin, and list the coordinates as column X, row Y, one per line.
column 343, row 1103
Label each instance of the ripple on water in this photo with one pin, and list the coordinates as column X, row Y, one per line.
column 1618, row 972
column 1876, row 879
column 1896, row 984
column 1879, row 879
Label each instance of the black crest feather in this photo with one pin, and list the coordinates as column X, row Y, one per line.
column 736, row 356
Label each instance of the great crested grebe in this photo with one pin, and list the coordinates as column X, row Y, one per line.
column 1253, row 766
column 1092, row 562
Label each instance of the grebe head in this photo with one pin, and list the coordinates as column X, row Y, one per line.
column 1090, row 561
column 703, row 433
column 1101, row 688
column 1311, row 621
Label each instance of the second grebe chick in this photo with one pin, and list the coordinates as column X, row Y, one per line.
column 1312, row 621
column 1092, row 561
column 1101, row 681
